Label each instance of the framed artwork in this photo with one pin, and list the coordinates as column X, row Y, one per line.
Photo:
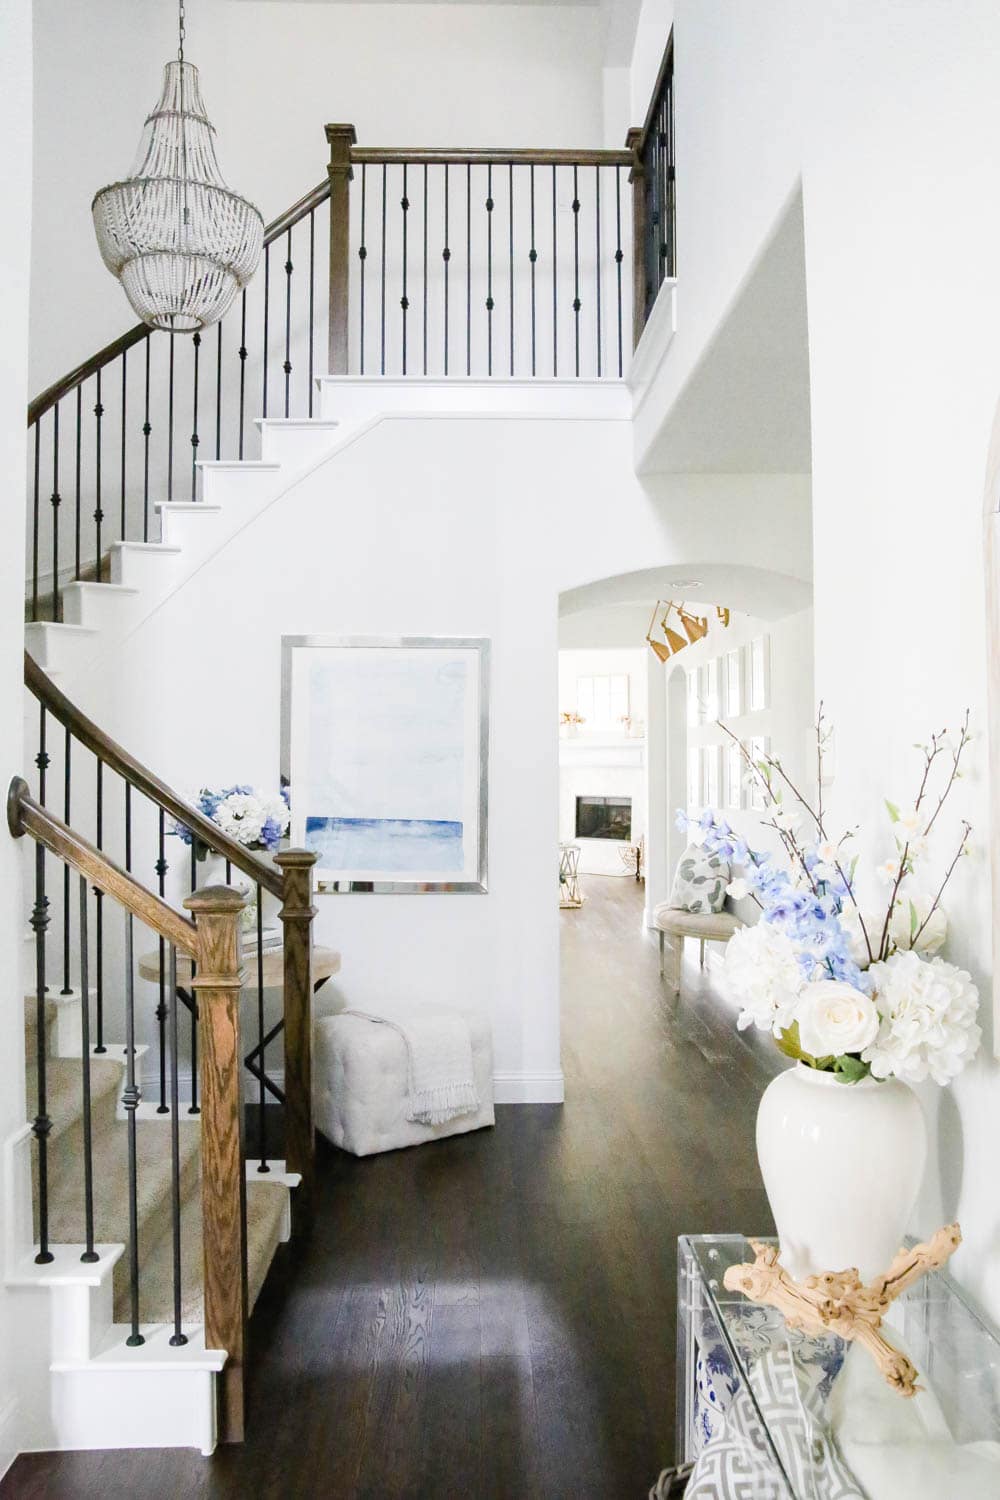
column 385, row 746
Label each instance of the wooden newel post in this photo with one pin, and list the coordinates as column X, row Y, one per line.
column 341, row 139
column 297, row 913
column 637, row 177
column 218, row 983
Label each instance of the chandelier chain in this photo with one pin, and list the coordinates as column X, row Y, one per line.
column 180, row 31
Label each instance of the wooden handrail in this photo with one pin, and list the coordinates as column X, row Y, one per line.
column 517, row 156
column 26, row 816
column 143, row 780
column 666, row 64
column 67, row 383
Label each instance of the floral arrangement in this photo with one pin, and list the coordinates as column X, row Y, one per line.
column 254, row 819
column 854, row 992
column 568, row 716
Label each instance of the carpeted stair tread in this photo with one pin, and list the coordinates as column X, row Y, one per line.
column 64, row 1092
column 265, row 1217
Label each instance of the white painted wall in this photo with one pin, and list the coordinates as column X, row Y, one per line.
column 596, row 763
column 408, row 530
column 272, row 75
column 889, row 117
column 15, row 243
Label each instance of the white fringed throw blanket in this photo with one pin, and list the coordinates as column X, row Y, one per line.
column 442, row 1083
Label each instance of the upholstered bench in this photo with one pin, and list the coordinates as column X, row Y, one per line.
column 675, row 923
column 361, row 1085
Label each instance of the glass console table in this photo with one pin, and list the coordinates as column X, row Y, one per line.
column 769, row 1413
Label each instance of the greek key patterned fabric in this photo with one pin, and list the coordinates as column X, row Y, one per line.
column 700, row 882
column 792, row 1377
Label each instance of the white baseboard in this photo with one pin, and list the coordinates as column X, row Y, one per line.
column 529, row 1088
column 9, row 1423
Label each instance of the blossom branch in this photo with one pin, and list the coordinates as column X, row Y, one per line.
column 962, row 849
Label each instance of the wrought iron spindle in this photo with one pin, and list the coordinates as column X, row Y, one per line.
column 99, row 914
column 243, row 366
column 510, row 257
column 383, row 265
column 218, row 389
column 131, row 1095
column 287, row 366
column 576, row 270
column 312, row 300
column 42, row 758
column 267, row 309
column 619, row 257
column 261, row 1085
column 362, row 257
column 598, row 268
column 446, row 257
column 533, row 261
column 124, row 434
column 489, row 269
column 98, row 512
column 78, row 488
column 178, row 1337
column 34, row 530
column 404, row 301
column 195, row 440
column 90, row 1254
column 555, row 281
column 55, row 501
column 146, row 431
column 170, row 419
column 67, row 988
column 41, row 1125
column 161, row 1005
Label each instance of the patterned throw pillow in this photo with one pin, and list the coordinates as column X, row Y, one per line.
column 700, row 882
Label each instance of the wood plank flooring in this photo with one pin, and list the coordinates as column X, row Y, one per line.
column 492, row 1317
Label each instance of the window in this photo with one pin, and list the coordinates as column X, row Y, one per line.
column 759, row 674
column 694, row 779
column 758, row 749
column 734, row 777
column 602, row 702
column 711, row 775
column 711, row 691
column 734, row 684
column 694, row 702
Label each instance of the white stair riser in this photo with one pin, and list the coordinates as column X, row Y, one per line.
column 100, row 606
column 354, row 400
column 297, row 445
column 60, row 648
column 247, row 485
column 96, row 1408
column 142, row 567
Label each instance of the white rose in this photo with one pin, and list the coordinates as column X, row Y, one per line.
column 835, row 1018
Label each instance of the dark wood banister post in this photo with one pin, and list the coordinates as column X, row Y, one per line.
column 637, row 177
column 218, row 983
column 341, row 139
column 297, row 913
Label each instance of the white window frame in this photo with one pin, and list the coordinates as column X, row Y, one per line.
column 615, row 689
column 759, row 674
column 734, row 683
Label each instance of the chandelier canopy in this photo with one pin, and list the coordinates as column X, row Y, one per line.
column 181, row 243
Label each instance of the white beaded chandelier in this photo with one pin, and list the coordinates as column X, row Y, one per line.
column 180, row 242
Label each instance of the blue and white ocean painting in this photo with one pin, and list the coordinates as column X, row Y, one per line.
column 399, row 846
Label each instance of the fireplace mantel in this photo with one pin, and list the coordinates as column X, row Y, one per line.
column 623, row 754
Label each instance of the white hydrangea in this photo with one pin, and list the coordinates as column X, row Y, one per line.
column 762, row 972
column 927, row 1012
column 242, row 815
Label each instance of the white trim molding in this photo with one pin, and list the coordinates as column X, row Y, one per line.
column 530, row 1087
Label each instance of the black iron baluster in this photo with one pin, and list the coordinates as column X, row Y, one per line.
column 576, row 269
column 130, row 1099
column 489, row 269
column 218, row 390
column 312, row 299
column 619, row 257
column 55, row 502
column 287, row 366
column 98, row 512
column 383, row 264
column 34, row 533
column 468, row 268
column 146, row 430
column 510, row 258
column 77, row 569
column 196, row 341
column 597, row 255
column 193, row 1108
column 262, row 1096
column 67, row 988
column 555, row 286
column 177, row 1337
column 41, row 1125
column 161, row 1006
column 267, row 309
column 446, row 257
column 362, row 257
column 533, row 260
column 99, row 915
column 243, row 367
column 90, row 1254
column 42, row 758
column 425, row 268
column 404, row 301
column 122, row 505
column 170, row 420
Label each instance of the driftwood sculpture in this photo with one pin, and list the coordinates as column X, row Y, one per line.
column 838, row 1302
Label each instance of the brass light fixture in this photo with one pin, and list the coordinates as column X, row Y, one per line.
column 695, row 628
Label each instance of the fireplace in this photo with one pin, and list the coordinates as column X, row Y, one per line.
column 604, row 818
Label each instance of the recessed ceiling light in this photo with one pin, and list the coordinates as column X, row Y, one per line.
column 685, row 583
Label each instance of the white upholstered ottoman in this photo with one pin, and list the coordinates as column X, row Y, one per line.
column 361, row 1088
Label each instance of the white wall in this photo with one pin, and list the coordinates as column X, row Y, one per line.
column 15, row 131
column 409, row 531
column 889, row 116
column 273, row 73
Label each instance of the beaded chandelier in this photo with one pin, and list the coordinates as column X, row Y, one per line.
column 181, row 243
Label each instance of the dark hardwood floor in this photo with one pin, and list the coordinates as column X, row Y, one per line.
column 492, row 1317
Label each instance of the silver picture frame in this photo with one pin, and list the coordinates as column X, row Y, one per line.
column 290, row 644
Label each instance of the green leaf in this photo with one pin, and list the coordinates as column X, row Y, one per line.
column 914, row 921
column 892, row 810
column 788, row 1042
column 849, row 1069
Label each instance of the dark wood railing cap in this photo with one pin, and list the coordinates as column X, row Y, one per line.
column 296, row 858
column 220, row 898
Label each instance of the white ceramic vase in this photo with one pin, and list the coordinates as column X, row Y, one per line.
column 842, row 1165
